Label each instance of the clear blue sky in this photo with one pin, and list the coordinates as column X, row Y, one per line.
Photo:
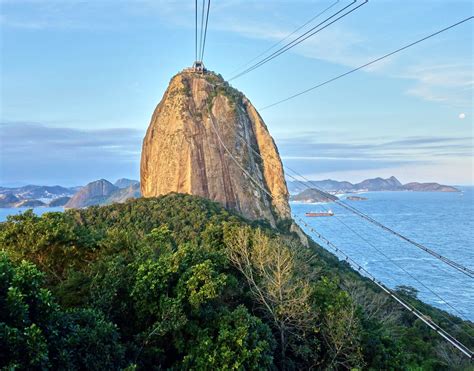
column 80, row 79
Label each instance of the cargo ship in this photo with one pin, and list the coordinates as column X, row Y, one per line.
column 320, row 213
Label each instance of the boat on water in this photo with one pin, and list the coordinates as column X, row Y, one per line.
column 320, row 213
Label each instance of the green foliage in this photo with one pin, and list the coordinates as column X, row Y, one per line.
column 235, row 340
column 186, row 88
column 222, row 88
column 340, row 327
column 179, row 282
column 36, row 334
column 86, row 340
column 25, row 312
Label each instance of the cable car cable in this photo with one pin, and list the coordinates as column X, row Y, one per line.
column 286, row 37
column 366, row 64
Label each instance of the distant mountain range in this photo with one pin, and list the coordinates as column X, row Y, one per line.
column 99, row 192
column 33, row 195
column 376, row 184
column 103, row 192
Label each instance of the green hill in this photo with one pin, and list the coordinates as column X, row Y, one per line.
column 179, row 282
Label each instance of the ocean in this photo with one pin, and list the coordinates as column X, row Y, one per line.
column 443, row 222
column 18, row 210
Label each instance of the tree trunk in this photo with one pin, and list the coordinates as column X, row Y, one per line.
column 283, row 348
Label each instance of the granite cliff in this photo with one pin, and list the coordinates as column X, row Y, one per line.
column 183, row 150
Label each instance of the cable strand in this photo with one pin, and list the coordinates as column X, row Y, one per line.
column 205, row 30
column 202, row 25
column 366, row 64
column 286, row 37
column 300, row 39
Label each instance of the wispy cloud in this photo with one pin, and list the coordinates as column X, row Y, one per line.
column 308, row 146
column 32, row 152
column 412, row 158
column 38, row 153
column 447, row 83
column 451, row 84
column 335, row 44
column 434, row 80
column 19, row 137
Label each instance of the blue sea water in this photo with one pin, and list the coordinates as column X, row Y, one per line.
column 18, row 210
column 443, row 222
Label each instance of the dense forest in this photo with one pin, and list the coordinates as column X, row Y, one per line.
column 178, row 282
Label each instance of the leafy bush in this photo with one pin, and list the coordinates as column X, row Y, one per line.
column 36, row 334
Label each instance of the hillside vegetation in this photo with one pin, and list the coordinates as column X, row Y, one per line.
column 178, row 282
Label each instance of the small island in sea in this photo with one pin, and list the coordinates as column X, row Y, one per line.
column 368, row 185
column 313, row 196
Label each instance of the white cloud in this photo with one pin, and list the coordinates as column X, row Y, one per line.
column 335, row 44
column 448, row 83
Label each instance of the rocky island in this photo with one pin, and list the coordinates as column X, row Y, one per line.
column 313, row 196
column 428, row 187
column 371, row 185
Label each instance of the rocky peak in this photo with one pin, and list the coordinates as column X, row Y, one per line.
column 125, row 183
column 92, row 194
column 379, row 184
column 183, row 150
column 394, row 181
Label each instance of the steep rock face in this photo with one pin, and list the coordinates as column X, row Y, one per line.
column 124, row 194
column 183, row 150
column 92, row 194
